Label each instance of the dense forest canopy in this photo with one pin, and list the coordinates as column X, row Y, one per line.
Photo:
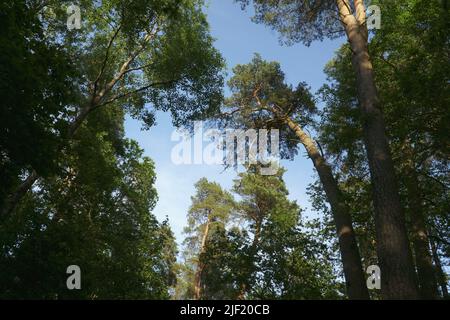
column 76, row 190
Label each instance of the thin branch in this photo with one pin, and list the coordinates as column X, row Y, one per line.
column 105, row 60
column 442, row 184
column 439, row 239
column 123, row 69
column 228, row 114
column 138, row 68
column 387, row 62
column 127, row 94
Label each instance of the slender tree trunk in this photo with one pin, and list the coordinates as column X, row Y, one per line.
column 424, row 263
column 201, row 265
column 440, row 272
column 398, row 280
column 351, row 259
column 13, row 200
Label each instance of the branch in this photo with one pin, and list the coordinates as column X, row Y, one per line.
column 123, row 69
column 255, row 95
column 345, row 11
column 442, row 184
column 126, row 94
column 388, row 62
column 105, row 60
column 13, row 200
column 438, row 239
column 138, row 68
column 360, row 12
column 228, row 114
column 320, row 148
column 259, row 103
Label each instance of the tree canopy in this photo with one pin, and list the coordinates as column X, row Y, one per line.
column 78, row 195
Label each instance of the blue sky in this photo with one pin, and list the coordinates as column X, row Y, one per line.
column 237, row 38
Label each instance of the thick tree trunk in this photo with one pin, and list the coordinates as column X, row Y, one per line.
column 398, row 280
column 440, row 272
column 351, row 259
column 424, row 263
column 201, row 265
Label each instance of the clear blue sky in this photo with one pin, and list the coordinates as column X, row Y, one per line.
column 237, row 38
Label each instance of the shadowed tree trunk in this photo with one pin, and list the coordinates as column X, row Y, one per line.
column 441, row 277
column 398, row 280
column 424, row 263
column 351, row 258
column 13, row 199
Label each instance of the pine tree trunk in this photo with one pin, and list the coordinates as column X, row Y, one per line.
column 398, row 280
column 351, row 259
column 424, row 263
column 201, row 265
column 439, row 271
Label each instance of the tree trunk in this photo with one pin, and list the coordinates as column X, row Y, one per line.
column 201, row 265
column 440, row 272
column 398, row 279
column 351, row 259
column 424, row 263
column 13, row 200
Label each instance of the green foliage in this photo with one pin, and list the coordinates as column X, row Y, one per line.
column 35, row 85
column 261, row 98
column 92, row 204
column 209, row 213
column 96, row 216
column 64, row 96
column 260, row 251
column 173, row 65
column 285, row 263
column 298, row 20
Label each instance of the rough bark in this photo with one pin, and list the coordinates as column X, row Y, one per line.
column 351, row 258
column 398, row 280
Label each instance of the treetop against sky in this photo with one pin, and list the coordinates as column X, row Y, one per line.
column 237, row 38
